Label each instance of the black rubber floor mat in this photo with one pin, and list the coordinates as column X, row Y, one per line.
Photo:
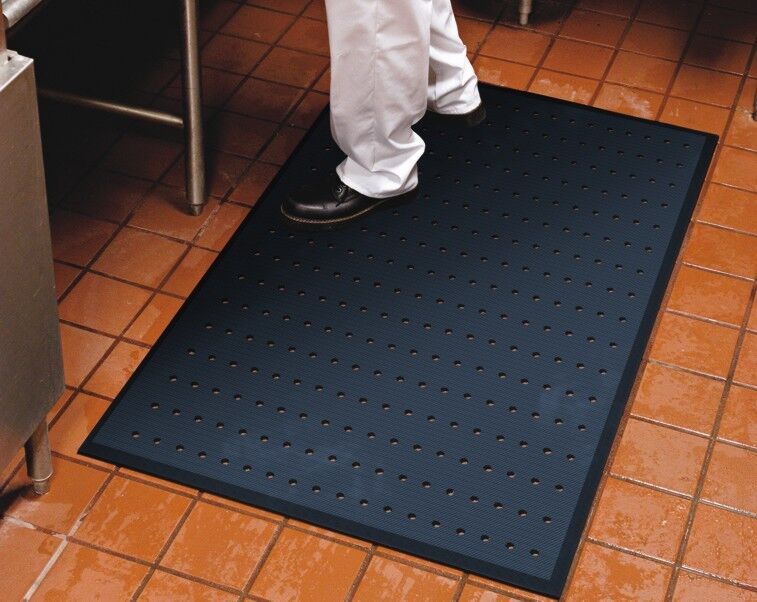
column 446, row 377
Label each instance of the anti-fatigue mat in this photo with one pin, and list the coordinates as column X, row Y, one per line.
column 446, row 377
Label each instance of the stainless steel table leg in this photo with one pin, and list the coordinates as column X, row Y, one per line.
column 39, row 462
column 194, row 153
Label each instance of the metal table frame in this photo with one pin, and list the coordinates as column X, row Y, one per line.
column 190, row 121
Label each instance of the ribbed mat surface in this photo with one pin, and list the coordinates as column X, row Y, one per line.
column 447, row 377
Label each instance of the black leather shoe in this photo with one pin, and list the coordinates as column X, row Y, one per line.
column 329, row 203
column 470, row 119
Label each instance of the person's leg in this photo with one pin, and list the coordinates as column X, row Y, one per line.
column 452, row 86
column 379, row 75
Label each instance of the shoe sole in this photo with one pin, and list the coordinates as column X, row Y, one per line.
column 471, row 119
column 303, row 223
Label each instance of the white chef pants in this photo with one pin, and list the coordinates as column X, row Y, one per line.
column 390, row 60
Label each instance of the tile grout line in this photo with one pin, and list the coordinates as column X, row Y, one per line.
column 67, row 537
column 616, row 50
column 349, row 597
column 683, row 544
column 166, row 545
column 258, row 568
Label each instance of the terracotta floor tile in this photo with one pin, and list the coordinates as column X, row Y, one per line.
column 165, row 586
column 165, row 212
column 472, row 32
column 723, row 543
column 241, row 507
column 705, row 85
column 716, row 53
column 690, row 587
column 222, row 226
column 258, row 24
column 647, row 72
column 678, row 398
column 76, row 238
column 694, row 344
column 639, row 519
column 327, row 533
column 140, row 156
column 308, row 35
column 746, row 368
column 622, row 8
column 680, row 15
column 389, row 580
column 215, row 15
column 153, row 319
column 562, row 57
column 324, row 82
column 739, row 423
column 503, row 73
column 107, row 195
column 695, row 115
column 102, row 303
column 82, row 573
column 282, row 145
column 421, row 563
column 710, row 295
column 660, row 456
column 604, row 574
column 191, row 269
column 81, row 351
column 516, row 45
column 303, row 567
column 729, row 207
column 256, row 180
column 64, row 276
column 506, row 589
column 233, row 53
column 567, row 87
column 288, row 6
column 139, row 256
column 222, row 173
column 76, row 422
column 144, row 478
column 217, row 87
column 743, row 129
column 593, row 27
column 311, row 106
column 736, row 167
column 731, row 24
column 264, row 99
column 72, row 486
column 239, row 134
column 291, row 67
column 725, row 483
column 112, row 374
column 219, row 545
column 133, row 518
column 25, row 552
column 723, row 250
column 474, row 593
column 316, row 10
column 662, row 42
column 630, row 101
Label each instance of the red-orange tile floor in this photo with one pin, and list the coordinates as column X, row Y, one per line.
column 675, row 515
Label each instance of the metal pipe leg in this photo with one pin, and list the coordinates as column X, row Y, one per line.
column 194, row 153
column 39, row 463
column 524, row 10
